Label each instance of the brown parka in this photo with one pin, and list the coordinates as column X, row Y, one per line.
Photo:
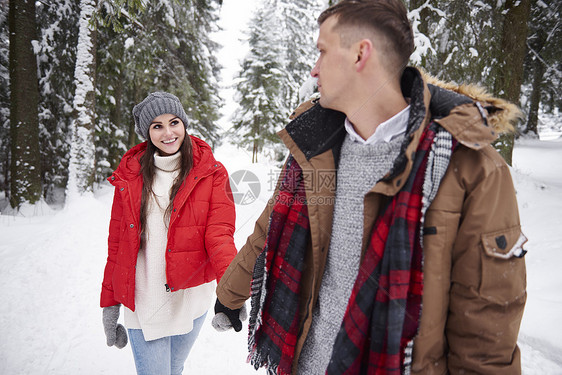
column 474, row 284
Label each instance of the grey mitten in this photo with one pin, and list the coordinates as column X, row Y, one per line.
column 226, row 318
column 115, row 333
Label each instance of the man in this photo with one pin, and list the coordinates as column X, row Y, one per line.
column 392, row 243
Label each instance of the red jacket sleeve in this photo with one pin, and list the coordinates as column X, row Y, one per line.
column 107, row 298
column 219, row 234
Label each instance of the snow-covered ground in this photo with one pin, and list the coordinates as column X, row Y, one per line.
column 52, row 265
column 537, row 175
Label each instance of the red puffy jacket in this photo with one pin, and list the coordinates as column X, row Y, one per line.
column 200, row 236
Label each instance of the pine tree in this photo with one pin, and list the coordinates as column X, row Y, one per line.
column 25, row 178
column 112, row 83
column 191, row 69
column 115, row 20
column 298, row 18
column 543, row 68
column 456, row 41
column 57, row 58
column 259, row 86
column 282, row 53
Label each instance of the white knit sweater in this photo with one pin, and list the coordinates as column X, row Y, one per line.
column 157, row 312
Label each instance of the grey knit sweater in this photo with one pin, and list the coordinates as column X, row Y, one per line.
column 361, row 166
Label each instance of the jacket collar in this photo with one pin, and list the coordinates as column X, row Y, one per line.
column 319, row 129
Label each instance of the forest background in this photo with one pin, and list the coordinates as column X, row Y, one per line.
column 70, row 72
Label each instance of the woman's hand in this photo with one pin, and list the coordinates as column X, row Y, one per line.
column 115, row 333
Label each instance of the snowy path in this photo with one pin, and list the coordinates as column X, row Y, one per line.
column 52, row 266
column 537, row 175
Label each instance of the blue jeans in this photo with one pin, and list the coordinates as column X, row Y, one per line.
column 164, row 356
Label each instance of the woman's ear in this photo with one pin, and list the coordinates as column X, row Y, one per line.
column 364, row 52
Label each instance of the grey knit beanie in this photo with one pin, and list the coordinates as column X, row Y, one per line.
column 154, row 105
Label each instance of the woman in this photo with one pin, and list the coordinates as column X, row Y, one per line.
column 170, row 236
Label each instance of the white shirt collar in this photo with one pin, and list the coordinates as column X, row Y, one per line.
column 393, row 127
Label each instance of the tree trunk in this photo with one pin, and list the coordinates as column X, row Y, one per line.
column 539, row 70
column 512, row 54
column 255, row 152
column 82, row 147
column 24, row 98
column 535, row 100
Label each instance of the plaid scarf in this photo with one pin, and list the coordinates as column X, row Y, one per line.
column 273, row 322
column 382, row 316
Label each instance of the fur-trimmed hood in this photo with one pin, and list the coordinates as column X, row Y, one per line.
column 502, row 115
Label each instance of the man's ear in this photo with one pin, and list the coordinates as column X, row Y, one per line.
column 364, row 52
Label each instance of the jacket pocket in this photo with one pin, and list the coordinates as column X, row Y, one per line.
column 503, row 268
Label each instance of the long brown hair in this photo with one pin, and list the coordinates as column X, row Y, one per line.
column 148, row 170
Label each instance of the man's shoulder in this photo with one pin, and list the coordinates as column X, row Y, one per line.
column 475, row 165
